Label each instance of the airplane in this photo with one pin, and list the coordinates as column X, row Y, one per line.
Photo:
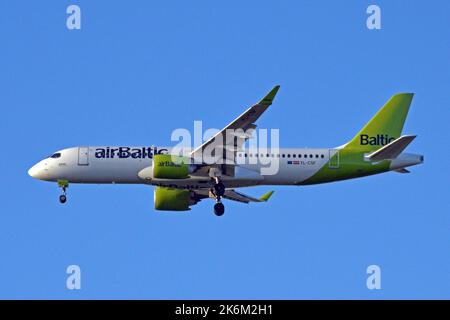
column 181, row 181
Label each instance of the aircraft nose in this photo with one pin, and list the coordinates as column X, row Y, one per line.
column 36, row 172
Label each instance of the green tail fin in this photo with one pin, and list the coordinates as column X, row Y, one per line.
column 385, row 126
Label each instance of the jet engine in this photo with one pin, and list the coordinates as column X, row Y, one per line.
column 166, row 166
column 170, row 199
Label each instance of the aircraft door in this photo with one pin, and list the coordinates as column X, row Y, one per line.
column 83, row 156
column 333, row 155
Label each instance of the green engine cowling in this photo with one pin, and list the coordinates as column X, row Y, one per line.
column 166, row 166
column 170, row 199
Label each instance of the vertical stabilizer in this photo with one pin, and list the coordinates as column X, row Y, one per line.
column 385, row 126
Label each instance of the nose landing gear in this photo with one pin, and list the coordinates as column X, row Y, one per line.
column 63, row 184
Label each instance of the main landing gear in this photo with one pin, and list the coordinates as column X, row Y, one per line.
column 63, row 184
column 219, row 209
column 218, row 191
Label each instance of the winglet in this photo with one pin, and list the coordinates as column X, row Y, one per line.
column 268, row 99
column 266, row 196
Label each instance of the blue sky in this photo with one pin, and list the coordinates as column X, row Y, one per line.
column 138, row 70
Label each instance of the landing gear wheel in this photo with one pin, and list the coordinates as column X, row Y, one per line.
column 62, row 198
column 219, row 209
column 219, row 189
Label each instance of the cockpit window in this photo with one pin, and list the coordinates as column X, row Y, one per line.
column 55, row 155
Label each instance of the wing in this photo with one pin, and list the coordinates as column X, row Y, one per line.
column 232, row 137
column 232, row 194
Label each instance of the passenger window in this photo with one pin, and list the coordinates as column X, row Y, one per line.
column 289, row 155
column 317, row 155
column 310, row 155
column 299, row 155
column 283, row 155
column 294, row 155
column 322, row 156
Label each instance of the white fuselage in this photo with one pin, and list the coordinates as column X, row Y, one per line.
column 88, row 165
column 129, row 165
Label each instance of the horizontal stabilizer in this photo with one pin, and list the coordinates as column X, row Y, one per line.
column 391, row 150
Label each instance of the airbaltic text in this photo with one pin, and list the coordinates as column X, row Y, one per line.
column 379, row 139
column 128, row 152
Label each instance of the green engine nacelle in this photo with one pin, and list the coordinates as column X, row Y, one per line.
column 169, row 199
column 166, row 166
